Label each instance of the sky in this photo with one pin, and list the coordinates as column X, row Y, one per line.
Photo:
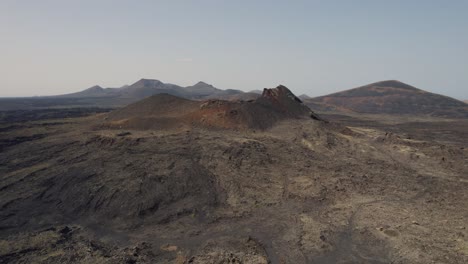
column 52, row 47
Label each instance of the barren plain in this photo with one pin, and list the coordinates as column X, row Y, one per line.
column 334, row 189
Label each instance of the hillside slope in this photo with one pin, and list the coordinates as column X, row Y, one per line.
column 300, row 191
column 165, row 111
column 390, row 97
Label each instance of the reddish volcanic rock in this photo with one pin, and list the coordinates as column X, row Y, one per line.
column 283, row 100
column 166, row 111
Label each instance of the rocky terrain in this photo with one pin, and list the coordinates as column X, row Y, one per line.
column 164, row 111
column 171, row 180
column 386, row 97
column 390, row 97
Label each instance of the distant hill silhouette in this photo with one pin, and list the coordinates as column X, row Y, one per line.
column 304, row 97
column 390, row 97
column 202, row 89
column 256, row 91
column 148, row 87
column 98, row 96
column 95, row 91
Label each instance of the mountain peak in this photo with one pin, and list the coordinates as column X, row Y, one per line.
column 95, row 88
column 283, row 100
column 148, row 81
column 391, row 97
column 202, row 89
column 281, row 92
column 202, row 83
column 392, row 84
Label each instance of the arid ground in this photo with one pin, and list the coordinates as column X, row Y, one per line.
column 357, row 189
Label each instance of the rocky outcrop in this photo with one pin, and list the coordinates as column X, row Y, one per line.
column 283, row 100
column 165, row 111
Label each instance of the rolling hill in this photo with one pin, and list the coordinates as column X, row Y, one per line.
column 148, row 87
column 165, row 111
column 98, row 96
column 390, row 97
column 95, row 91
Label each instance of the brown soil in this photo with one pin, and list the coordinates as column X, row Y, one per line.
column 297, row 191
column 164, row 111
column 390, row 97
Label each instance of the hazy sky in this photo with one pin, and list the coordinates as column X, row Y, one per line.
column 313, row 47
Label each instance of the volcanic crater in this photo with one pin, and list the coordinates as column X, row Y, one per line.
column 163, row 111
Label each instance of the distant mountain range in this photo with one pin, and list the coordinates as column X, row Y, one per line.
column 385, row 97
column 390, row 97
column 148, row 87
